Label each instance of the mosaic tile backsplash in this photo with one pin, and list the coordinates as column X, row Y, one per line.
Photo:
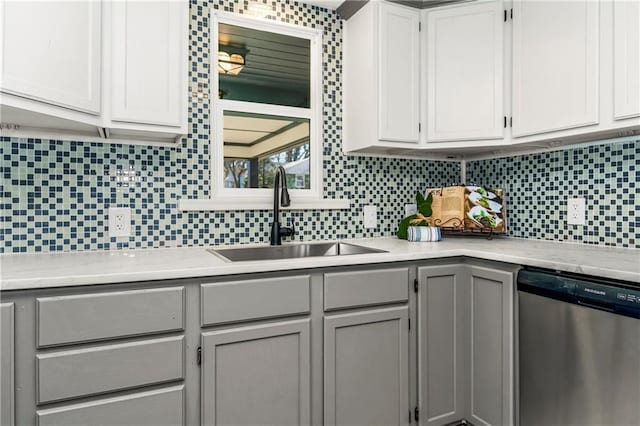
column 538, row 185
column 55, row 195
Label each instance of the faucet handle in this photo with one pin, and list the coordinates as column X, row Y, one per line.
column 288, row 231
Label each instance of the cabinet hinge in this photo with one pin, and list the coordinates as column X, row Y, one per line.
column 419, row 127
column 199, row 355
column 505, row 15
column 510, row 121
column 505, row 121
column 512, row 14
column 415, row 285
column 416, row 414
column 409, row 323
column 419, row 26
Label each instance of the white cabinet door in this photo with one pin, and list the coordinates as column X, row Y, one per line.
column 51, row 52
column 626, row 59
column 465, row 83
column 148, row 62
column 398, row 77
column 555, row 65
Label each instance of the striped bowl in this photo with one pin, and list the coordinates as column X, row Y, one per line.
column 424, row 233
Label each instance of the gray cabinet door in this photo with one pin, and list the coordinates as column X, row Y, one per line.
column 366, row 368
column 7, row 349
column 491, row 327
column 257, row 375
column 443, row 343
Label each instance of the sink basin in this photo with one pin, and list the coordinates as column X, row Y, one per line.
column 292, row 251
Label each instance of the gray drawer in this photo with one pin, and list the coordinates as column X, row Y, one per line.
column 233, row 301
column 89, row 371
column 161, row 407
column 362, row 288
column 98, row 316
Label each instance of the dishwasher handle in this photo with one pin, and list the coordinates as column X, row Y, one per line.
column 603, row 306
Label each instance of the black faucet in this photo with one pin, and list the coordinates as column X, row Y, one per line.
column 277, row 231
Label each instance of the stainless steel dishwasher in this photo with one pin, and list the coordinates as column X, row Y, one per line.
column 579, row 350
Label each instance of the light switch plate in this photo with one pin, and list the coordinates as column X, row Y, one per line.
column 119, row 221
column 370, row 216
column 576, row 211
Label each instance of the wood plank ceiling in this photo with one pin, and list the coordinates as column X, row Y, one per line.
column 272, row 59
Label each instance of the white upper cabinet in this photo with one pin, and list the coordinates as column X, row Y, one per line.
column 398, row 81
column 495, row 77
column 94, row 70
column 148, row 62
column 51, row 52
column 555, row 65
column 381, row 74
column 626, row 59
column 465, row 72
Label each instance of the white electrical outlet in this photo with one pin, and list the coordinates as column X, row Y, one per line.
column 119, row 221
column 370, row 216
column 576, row 211
column 410, row 209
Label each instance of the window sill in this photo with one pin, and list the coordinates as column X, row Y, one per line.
column 225, row 204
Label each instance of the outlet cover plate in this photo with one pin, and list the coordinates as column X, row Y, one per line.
column 370, row 216
column 119, row 222
column 576, row 211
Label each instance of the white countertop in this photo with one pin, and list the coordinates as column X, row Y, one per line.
column 27, row 271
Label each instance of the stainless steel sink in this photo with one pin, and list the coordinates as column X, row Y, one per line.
column 292, row 251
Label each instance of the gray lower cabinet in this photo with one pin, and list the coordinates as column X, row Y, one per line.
column 113, row 355
column 443, row 343
column 366, row 367
column 257, row 375
column 465, row 341
column 491, row 326
column 329, row 346
column 7, row 365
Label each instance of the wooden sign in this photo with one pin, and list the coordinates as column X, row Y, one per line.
column 468, row 208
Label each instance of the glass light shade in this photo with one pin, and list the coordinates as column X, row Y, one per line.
column 230, row 64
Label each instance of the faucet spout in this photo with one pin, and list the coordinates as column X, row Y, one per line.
column 279, row 183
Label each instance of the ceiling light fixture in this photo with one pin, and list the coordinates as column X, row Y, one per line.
column 230, row 64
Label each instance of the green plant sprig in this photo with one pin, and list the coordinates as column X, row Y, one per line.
column 424, row 208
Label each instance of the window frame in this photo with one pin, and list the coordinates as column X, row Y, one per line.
column 239, row 196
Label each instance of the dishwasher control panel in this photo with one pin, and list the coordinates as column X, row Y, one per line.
column 622, row 299
column 629, row 297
